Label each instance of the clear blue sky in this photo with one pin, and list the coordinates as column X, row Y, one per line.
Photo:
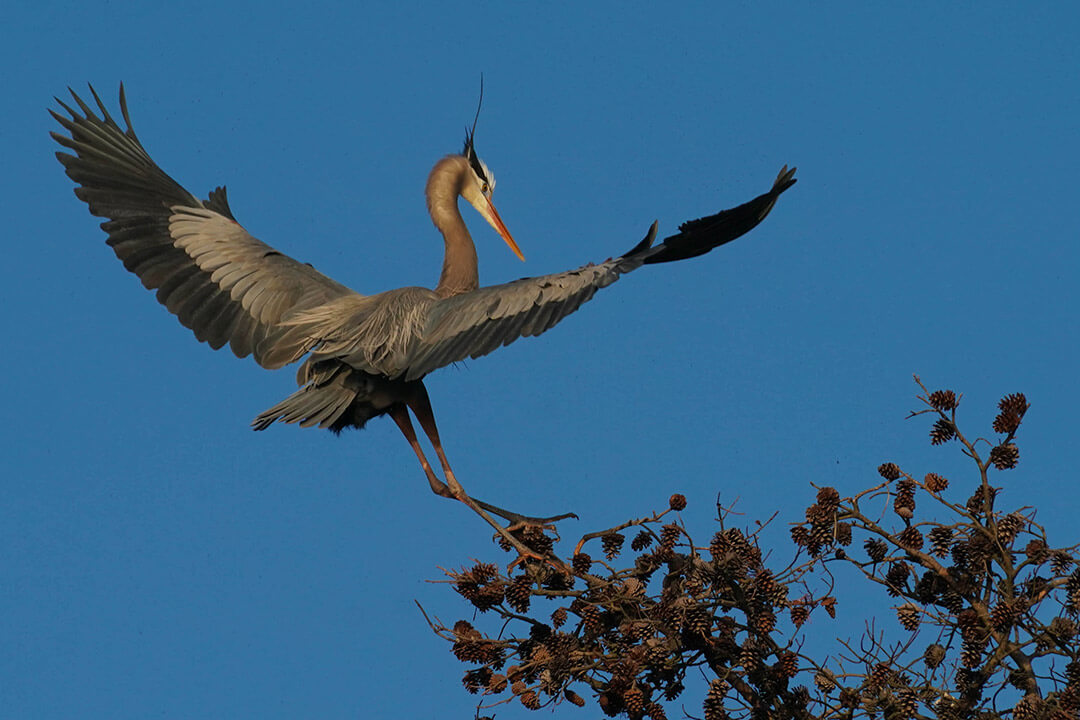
column 159, row 559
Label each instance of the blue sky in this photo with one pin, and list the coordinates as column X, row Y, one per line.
column 161, row 560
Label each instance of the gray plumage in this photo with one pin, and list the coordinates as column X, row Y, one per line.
column 366, row 354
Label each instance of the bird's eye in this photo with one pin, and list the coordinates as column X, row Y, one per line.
column 485, row 188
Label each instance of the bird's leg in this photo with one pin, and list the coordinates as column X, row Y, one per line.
column 401, row 417
column 421, row 407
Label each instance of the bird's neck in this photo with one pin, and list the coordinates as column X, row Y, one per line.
column 460, row 271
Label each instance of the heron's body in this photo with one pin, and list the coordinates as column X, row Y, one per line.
column 367, row 355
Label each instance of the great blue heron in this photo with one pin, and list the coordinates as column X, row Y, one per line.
column 367, row 355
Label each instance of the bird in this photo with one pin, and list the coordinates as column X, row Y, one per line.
column 363, row 356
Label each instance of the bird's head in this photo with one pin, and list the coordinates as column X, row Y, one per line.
column 478, row 185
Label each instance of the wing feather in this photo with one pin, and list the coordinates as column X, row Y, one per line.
column 220, row 282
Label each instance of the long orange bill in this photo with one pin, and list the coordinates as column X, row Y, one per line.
column 500, row 227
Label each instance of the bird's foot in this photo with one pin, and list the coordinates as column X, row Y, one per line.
column 518, row 521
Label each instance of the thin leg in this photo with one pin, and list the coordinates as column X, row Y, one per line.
column 401, row 417
column 421, row 407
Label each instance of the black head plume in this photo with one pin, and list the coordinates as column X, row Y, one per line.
column 470, row 150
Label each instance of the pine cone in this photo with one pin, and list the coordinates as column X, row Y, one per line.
column 1009, row 527
column 788, row 665
column 909, row 617
column 933, row 655
column 906, row 702
column 677, row 502
column 714, row 701
column 496, row 684
column 518, row 593
column 574, row 698
column 935, row 483
column 824, row 681
column 942, row 432
column 641, row 541
column 1060, row 562
column 943, row 400
column 889, row 471
column 940, row 541
column 612, row 543
column 1005, row 614
column 829, row 499
column 590, row 615
column 655, row 711
column 1005, row 456
column 530, row 700
column 764, row 622
column 634, row 701
column 880, row 674
column 581, row 563
column 1036, row 551
column 1012, row 412
column 799, row 613
column 897, row 576
column 843, row 534
column 477, row 679
column 910, row 538
column 558, row 618
column 669, row 534
column 876, row 549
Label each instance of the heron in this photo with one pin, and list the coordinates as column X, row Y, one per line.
column 364, row 356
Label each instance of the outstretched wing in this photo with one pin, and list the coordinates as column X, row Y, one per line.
column 476, row 323
column 222, row 283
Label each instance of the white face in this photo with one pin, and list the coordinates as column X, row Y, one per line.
column 487, row 188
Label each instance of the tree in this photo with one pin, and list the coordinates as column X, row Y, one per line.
column 985, row 607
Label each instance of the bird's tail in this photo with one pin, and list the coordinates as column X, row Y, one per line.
column 697, row 237
column 323, row 401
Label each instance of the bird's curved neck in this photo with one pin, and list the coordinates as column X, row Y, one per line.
column 460, row 271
